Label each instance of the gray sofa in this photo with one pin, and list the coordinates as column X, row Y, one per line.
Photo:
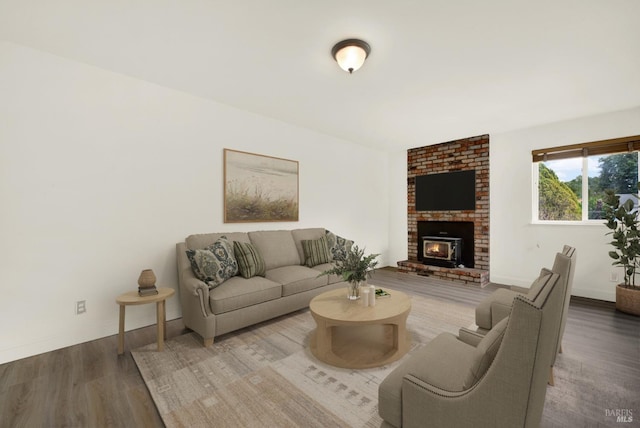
column 288, row 285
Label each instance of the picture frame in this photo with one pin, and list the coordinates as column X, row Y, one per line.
column 259, row 188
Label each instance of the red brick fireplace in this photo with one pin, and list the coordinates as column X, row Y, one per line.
column 469, row 154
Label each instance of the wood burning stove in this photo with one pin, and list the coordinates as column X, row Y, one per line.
column 441, row 251
column 447, row 229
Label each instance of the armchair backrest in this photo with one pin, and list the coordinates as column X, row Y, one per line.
column 521, row 366
column 566, row 272
column 529, row 346
column 530, row 343
column 550, row 301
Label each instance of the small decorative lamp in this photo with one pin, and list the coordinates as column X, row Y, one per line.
column 147, row 279
column 350, row 54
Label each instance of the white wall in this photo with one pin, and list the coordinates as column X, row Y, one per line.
column 398, row 228
column 519, row 248
column 102, row 174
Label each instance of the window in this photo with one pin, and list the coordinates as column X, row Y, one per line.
column 563, row 175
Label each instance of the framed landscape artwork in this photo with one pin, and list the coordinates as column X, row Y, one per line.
column 259, row 188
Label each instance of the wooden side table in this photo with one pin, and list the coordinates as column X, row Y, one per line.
column 133, row 298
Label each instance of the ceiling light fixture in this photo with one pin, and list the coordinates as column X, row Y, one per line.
column 350, row 54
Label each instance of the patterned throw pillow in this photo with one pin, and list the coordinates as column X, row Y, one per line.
column 316, row 251
column 338, row 246
column 250, row 262
column 214, row 264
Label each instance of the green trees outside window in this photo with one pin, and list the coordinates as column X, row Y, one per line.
column 562, row 200
column 556, row 200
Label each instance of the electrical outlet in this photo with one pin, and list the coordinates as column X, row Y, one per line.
column 81, row 307
column 613, row 277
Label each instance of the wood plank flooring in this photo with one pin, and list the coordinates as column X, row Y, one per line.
column 88, row 385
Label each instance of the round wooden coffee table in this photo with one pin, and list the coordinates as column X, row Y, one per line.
column 350, row 335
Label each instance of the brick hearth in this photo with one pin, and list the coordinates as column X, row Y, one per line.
column 459, row 155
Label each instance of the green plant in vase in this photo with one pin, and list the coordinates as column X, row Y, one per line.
column 622, row 220
column 356, row 268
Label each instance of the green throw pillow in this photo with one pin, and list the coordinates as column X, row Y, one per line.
column 316, row 251
column 250, row 262
column 215, row 263
column 338, row 246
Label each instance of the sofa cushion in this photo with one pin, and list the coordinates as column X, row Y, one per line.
column 338, row 246
column 296, row 279
column 203, row 240
column 276, row 247
column 250, row 261
column 214, row 264
column 300, row 235
column 316, row 251
column 328, row 266
column 238, row 292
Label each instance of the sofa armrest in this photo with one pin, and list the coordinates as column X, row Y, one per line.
column 195, row 287
column 193, row 292
column 469, row 337
column 196, row 293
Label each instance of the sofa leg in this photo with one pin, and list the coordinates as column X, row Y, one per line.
column 208, row 341
column 560, row 349
column 551, row 380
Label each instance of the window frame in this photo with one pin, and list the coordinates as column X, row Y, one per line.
column 594, row 148
column 584, row 150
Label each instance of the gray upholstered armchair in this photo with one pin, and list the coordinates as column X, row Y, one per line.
column 496, row 380
column 498, row 305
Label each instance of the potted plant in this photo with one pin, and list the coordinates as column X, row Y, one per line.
column 355, row 269
column 623, row 221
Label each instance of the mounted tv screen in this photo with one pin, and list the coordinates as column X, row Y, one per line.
column 449, row 191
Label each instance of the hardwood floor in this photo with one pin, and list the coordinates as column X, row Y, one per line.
column 88, row 385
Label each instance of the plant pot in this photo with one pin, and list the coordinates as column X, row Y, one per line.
column 628, row 300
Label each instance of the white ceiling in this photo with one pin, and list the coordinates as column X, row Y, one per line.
column 438, row 70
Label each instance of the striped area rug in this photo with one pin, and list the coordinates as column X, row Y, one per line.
column 265, row 375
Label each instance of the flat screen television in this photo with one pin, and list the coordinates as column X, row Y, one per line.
column 448, row 191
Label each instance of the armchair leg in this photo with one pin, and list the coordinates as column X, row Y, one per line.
column 208, row 341
column 551, row 380
column 560, row 349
